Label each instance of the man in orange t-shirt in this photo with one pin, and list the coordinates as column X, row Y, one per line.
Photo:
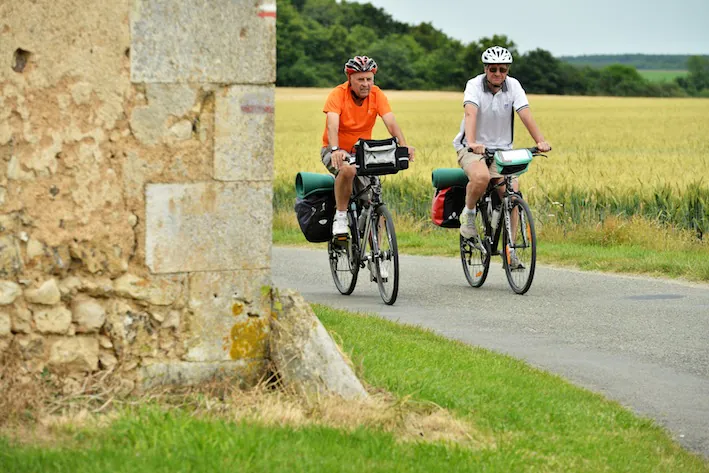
column 351, row 110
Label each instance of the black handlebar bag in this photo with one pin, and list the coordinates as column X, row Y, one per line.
column 378, row 157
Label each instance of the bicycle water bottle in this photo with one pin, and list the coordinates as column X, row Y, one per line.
column 495, row 218
column 361, row 221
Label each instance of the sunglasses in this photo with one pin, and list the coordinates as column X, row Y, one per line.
column 503, row 70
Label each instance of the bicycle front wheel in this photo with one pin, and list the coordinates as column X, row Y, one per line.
column 520, row 250
column 344, row 261
column 475, row 254
column 386, row 255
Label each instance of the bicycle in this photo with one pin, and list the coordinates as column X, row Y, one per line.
column 519, row 240
column 372, row 238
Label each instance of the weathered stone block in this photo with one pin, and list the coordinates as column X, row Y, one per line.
column 75, row 354
column 157, row 291
column 229, row 316
column 47, row 293
column 9, row 291
column 150, row 123
column 221, row 41
column 30, row 346
column 243, row 137
column 246, row 373
column 5, row 324
column 21, row 319
column 54, row 320
column 131, row 331
column 306, row 357
column 88, row 315
column 208, row 227
column 10, row 257
column 108, row 361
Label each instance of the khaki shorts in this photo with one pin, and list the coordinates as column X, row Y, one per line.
column 466, row 157
column 360, row 182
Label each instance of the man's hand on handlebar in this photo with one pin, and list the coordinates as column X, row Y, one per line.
column 412, row 150
column 543, row 146
column 477, row 148
column 337, row 157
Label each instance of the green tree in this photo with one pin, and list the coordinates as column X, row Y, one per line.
column 395, row 56
column 621, row 81
column 539, row 72
column 698, row 77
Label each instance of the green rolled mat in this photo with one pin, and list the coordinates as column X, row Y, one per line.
column 307, row 183
column 448, row 177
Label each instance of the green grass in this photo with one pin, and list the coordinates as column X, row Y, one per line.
column 661, row 75
column 533, row 421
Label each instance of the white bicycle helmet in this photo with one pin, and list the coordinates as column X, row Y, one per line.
column 496, row 55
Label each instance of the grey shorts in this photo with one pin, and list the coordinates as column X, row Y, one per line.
column 466, row 157
column 360, row 182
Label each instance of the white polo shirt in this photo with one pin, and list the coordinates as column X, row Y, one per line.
column 495, row 119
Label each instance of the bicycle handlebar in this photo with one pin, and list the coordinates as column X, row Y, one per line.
column 490, row 152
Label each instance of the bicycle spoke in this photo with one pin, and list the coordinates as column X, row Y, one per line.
column 344, row 263
column 386, row 256
column 475, row 255
column 519, row 256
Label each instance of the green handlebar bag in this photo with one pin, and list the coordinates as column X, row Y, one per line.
column 448, row 177
column 307, row 183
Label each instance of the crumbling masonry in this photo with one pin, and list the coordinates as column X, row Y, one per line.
column 136, row 163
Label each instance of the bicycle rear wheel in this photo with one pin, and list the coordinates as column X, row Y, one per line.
column 520, row 273
column 344, row 260
column 386, row 255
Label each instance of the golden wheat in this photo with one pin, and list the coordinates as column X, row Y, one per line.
column 600, row 143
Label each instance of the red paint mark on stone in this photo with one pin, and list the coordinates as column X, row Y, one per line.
column 257, row 108
column 267, row 14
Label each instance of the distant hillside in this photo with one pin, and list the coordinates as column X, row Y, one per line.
column 639, row 61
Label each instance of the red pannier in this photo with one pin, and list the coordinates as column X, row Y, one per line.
column 447, row 206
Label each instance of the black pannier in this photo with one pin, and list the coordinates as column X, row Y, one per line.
column 315, row 213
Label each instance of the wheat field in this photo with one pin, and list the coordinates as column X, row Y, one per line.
column 612, row 156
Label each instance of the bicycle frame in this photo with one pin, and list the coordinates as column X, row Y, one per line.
column 370, row 231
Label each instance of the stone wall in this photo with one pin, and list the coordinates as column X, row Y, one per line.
column 136, row 162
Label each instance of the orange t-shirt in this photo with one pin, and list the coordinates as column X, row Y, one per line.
column 355, row 121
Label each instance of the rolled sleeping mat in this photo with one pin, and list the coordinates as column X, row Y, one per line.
column 307, row 183
column 448, row 177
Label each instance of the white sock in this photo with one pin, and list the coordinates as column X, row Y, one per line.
column 472, row 211
column 341, row 214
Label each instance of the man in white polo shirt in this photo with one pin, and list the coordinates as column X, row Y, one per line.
column 490, row 101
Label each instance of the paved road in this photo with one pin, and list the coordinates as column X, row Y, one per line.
column 642, row 342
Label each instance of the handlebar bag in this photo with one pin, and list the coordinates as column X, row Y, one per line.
column 514, row 161
column 377, row 157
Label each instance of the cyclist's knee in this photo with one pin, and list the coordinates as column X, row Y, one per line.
column 479, row 178
column 348, row 172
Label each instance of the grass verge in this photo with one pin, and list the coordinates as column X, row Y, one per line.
column 500, row 415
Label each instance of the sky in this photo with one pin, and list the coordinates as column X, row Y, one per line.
column 568, row 28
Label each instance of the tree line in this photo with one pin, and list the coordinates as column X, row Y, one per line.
column 316, row 37
column 669, row 62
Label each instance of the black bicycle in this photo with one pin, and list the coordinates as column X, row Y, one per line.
column 519, row 240
column 371, row 242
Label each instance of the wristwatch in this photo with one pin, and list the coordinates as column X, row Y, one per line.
column 333, row 149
